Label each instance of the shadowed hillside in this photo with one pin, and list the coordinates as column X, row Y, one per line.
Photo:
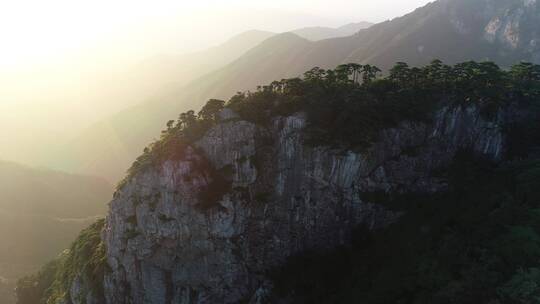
column 25, row 190
column 41, row 212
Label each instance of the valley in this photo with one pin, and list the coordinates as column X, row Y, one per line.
column 41, row 213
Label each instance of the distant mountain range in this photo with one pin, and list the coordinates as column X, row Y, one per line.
column 42, row 192
column 504, row 31
column 320, row 33
column 177, row 70
column 174, row 70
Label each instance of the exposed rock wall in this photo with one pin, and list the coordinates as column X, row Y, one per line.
column 512, row 26
column 508, row 26
column 285, row 197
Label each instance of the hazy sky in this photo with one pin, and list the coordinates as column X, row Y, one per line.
column 35, row 30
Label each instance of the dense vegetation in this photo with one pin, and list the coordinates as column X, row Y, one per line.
column 349, row 105
column 86, row 260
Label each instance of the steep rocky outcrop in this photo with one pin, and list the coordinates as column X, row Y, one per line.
column 277, row 196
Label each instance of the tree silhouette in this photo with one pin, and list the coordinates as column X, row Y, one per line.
column 356, row 70
column 211, row 109
column 187, row 120
column 315, row 75
column 369, row 73
column 343, row 72
column 400, row 73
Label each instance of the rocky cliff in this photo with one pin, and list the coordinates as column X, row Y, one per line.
column 419, row 187
column 167, row 242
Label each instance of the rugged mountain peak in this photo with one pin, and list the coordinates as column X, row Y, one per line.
column 279, row 197
column 224, row 198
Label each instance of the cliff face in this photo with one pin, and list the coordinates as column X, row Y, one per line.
column 513, row 26
column 512, row 23
column 166, row 244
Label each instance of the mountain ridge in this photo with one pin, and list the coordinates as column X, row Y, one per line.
column 441, row 29
column 320, row 32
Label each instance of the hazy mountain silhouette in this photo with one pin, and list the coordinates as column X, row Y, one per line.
column 319, row 32
column 505, row 31
column 180, row 69
column 177, row 70
column 25, row 190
